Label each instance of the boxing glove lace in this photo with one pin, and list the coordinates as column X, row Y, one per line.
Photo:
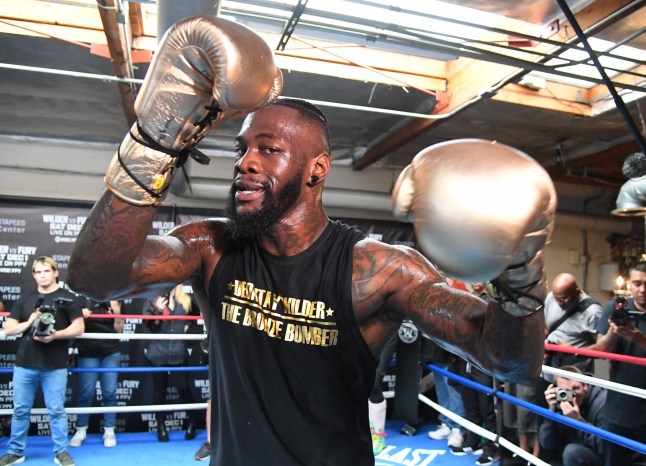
column 206, row 70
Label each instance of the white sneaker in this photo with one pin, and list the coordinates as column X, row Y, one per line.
column 79, row 436
column 440, row 433
column 109, row 439
column 455, row 438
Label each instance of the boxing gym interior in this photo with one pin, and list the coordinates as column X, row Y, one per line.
column 562, row 81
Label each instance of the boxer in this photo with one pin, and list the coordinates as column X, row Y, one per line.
column 299, row 306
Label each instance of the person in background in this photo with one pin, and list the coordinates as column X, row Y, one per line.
column 446, row 392
column 574, row 446
column 478, row 406
column 95, row 354
column 169, row 353
column 448, row 396
column 47, row 317
column 622, row 330
column 200, row 357
column 523, row 422
column 376, row 402
column 571, row 318
column 204, row 452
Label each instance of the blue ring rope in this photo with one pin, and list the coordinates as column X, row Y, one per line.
column 623, row 441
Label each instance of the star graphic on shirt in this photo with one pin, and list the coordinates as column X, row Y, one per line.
column 230, row 286
column 329, row 312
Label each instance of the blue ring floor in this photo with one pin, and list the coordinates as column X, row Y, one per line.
column 143, row 449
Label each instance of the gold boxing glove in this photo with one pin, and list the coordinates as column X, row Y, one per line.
column 206, row 70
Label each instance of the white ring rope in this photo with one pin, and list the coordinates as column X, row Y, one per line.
column 119, row 409
column 484, row 432
column 621, row 388
column 142, row 336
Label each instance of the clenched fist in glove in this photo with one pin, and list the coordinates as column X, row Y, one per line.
column 482, row 211
column 206, row 70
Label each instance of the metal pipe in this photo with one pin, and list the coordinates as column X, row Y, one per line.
column 105, row 77
column 171, row 11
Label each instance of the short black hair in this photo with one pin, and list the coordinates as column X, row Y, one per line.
column 309, row 112
column 638, row 267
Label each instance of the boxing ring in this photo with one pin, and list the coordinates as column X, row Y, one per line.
column 402, row 449
column 142, row 444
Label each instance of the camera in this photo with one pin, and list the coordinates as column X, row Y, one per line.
column 622, row 315
column 99, row 307
column 564, row 394
column 44, row 324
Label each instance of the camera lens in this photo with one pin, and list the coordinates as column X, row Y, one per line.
column 564, row 394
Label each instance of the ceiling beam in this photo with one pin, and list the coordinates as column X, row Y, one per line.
column 555, row 96
column 135, row 19
column 118, row 34
column 471, row 77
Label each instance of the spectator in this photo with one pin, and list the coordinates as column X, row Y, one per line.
column 479, row 407
column 47, row 318
column 571, row 318
column 169, row 353
column 204, row 452
column 521, row 420
column 446, row 392
column 376, row 402
column 94, row 354
column 576, row 447
column 625, row 414
column 448, row 395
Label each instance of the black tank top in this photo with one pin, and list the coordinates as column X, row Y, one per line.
column 290, row 371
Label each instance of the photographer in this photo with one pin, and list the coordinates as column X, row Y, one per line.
column 622, row 330
column 170, row 353
column 94, row 354
column 47, row 318
column 579, row 401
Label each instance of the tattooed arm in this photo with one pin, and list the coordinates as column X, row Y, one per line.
column 409, row 286
column 114, row 257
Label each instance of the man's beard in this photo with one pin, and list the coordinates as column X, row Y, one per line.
column 572, row 303
column 246, row 225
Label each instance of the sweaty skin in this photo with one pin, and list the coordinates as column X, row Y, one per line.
column 114, row 258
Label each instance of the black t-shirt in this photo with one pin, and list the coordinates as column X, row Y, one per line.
column 290, row 371
column 91, row 348
column 37, row 355
column 625, row 410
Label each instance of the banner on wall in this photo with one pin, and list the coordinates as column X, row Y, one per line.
column 29, row 230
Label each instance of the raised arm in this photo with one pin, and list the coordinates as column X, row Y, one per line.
column 482, row 211
column 506, row 346
column 206, row 70
column 114, row 257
